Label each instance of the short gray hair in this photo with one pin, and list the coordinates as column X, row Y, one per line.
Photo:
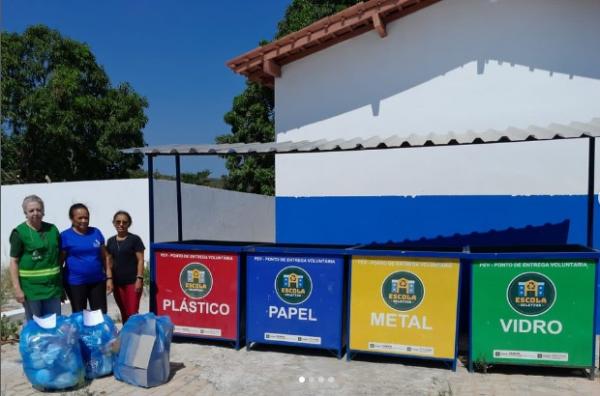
column 32, row 198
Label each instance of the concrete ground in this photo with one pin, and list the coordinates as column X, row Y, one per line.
column 203, row 368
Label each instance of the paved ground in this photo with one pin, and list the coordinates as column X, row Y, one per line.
column 207, row 369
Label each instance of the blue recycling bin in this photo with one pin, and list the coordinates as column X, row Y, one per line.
column 295, row 296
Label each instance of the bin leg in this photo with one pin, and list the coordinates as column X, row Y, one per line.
column 593, row 373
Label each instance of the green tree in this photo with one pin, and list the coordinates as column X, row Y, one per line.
column 201, row 178
column 301, row 13
column 251, row 120
column 61, row 118
column 252, row 115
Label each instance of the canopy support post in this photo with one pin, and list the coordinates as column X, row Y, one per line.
column 178, row 183
column 151, row 196
column 152, row 302
column 591, row 196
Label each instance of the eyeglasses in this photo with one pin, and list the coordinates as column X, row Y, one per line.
column 124, row 222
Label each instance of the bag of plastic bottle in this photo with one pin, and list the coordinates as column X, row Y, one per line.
column 145, row 343
column 97, row 335
column 51, row 355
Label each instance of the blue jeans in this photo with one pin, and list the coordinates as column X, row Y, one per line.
column 41, row 308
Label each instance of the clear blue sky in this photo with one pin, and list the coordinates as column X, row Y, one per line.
column 172, row 52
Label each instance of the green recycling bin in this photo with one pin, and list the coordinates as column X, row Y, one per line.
column 533, row 308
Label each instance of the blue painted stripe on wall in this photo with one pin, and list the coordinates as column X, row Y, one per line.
column 341, row 220
column 380, row 219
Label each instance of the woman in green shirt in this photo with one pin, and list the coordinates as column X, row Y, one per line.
column 34, row 261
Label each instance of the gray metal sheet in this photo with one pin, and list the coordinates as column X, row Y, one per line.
column 511, row 134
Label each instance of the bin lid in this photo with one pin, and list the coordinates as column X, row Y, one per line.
column 204, row 245
column 567, row 251
column 299, row 248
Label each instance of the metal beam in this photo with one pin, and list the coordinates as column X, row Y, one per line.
column 152, row 302
column 591, row 195
column 178, row 184
column 151, row 195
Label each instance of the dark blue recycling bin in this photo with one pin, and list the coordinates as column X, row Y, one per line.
column 295, row 296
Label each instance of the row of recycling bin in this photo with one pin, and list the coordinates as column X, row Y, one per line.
column 520, row 306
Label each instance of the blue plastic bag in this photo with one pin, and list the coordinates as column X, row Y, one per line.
column 97, row 343
column 52, row 356
column 145, row 343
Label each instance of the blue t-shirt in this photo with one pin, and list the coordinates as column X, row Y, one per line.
column 84, row 259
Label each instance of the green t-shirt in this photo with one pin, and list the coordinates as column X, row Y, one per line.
column 37, row 253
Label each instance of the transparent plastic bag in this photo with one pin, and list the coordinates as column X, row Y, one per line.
column 145, row 343
column 97, row 336
column 49, row 347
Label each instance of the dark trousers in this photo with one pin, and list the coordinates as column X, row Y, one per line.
column 41, row 308
column 80, row 295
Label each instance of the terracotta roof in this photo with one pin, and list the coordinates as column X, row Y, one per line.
column 264, row 63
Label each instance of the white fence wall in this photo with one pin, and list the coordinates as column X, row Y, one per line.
column 213, row 214
column 208, row 213
column 103, row 198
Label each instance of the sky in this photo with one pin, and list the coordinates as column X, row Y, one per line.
column 171, row 52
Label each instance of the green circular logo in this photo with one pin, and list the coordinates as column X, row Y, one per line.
column 293, row 285
column 402, row 291
column 531, row 294
column 196, row 280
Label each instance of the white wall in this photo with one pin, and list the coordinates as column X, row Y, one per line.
column 454, row 66
column 103, row 198
column 213, row 214
column 208, row 213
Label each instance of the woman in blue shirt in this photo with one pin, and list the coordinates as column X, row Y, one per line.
column 87, row 275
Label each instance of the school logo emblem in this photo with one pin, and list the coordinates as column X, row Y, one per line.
column 531, row 294
column 196, row 280
column 36, row 256
column 402, row 291
column 293, row 285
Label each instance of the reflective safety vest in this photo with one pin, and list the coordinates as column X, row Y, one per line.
column 38, row 272
column 39, row 269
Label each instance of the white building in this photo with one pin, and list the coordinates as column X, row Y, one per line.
column 398, row 67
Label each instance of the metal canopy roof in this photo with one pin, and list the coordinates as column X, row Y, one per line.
column 532, row 133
